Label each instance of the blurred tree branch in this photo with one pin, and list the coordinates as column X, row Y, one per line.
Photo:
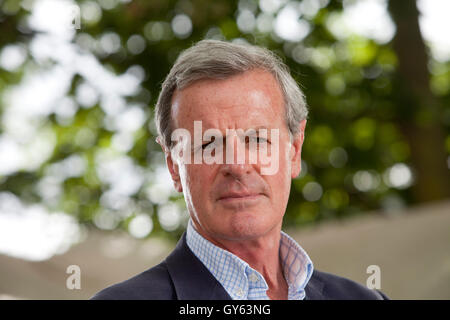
column 420, row 111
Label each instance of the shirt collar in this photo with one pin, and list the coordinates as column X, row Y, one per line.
column 243, row 282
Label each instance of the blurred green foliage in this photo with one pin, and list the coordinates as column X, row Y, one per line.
column 355, row 136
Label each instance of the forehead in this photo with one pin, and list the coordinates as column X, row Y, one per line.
column 246, row 100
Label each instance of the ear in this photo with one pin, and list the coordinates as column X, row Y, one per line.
column 174, row 172
column 296, row 150
column 172, row 166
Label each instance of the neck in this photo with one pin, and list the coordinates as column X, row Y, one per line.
column 261, row 253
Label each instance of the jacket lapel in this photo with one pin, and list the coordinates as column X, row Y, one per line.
column 191, row 279
column 314, row 288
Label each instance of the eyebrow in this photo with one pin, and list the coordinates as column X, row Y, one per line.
column 224, row 136
column 255, row 128
column 260, row 127
column 255, row 132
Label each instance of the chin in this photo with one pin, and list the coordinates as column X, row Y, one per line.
column 247, row 225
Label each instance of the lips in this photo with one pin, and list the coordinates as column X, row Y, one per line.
column 239, row 196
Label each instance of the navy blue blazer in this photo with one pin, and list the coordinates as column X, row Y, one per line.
column 182, row 276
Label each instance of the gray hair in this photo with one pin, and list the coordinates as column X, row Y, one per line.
column 214, row 59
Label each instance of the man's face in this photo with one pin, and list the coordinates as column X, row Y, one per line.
column 235, row 201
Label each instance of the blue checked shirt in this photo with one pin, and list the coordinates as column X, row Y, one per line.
column 241, row 281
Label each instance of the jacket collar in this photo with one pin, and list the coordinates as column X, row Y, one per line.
column 314, row 288
column 193, row 281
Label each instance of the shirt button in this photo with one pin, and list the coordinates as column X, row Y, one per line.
column 240, row 292
column 253, row 277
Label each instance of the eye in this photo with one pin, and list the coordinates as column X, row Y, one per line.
column 259, row 140
column 205, row 145
column 213, row 140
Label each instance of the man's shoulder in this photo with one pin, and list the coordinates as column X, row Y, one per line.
column 152, row 284
column 340, row 288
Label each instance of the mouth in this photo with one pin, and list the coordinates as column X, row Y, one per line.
column 236, row 197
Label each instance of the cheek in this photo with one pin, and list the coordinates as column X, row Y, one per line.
column 285, row 163
column 281, row 182
column 197, row 179
column 280, row 185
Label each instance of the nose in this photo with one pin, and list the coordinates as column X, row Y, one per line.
column 235, row 170
column 236, row 162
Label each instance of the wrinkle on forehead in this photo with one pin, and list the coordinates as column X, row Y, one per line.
column 245, row 97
